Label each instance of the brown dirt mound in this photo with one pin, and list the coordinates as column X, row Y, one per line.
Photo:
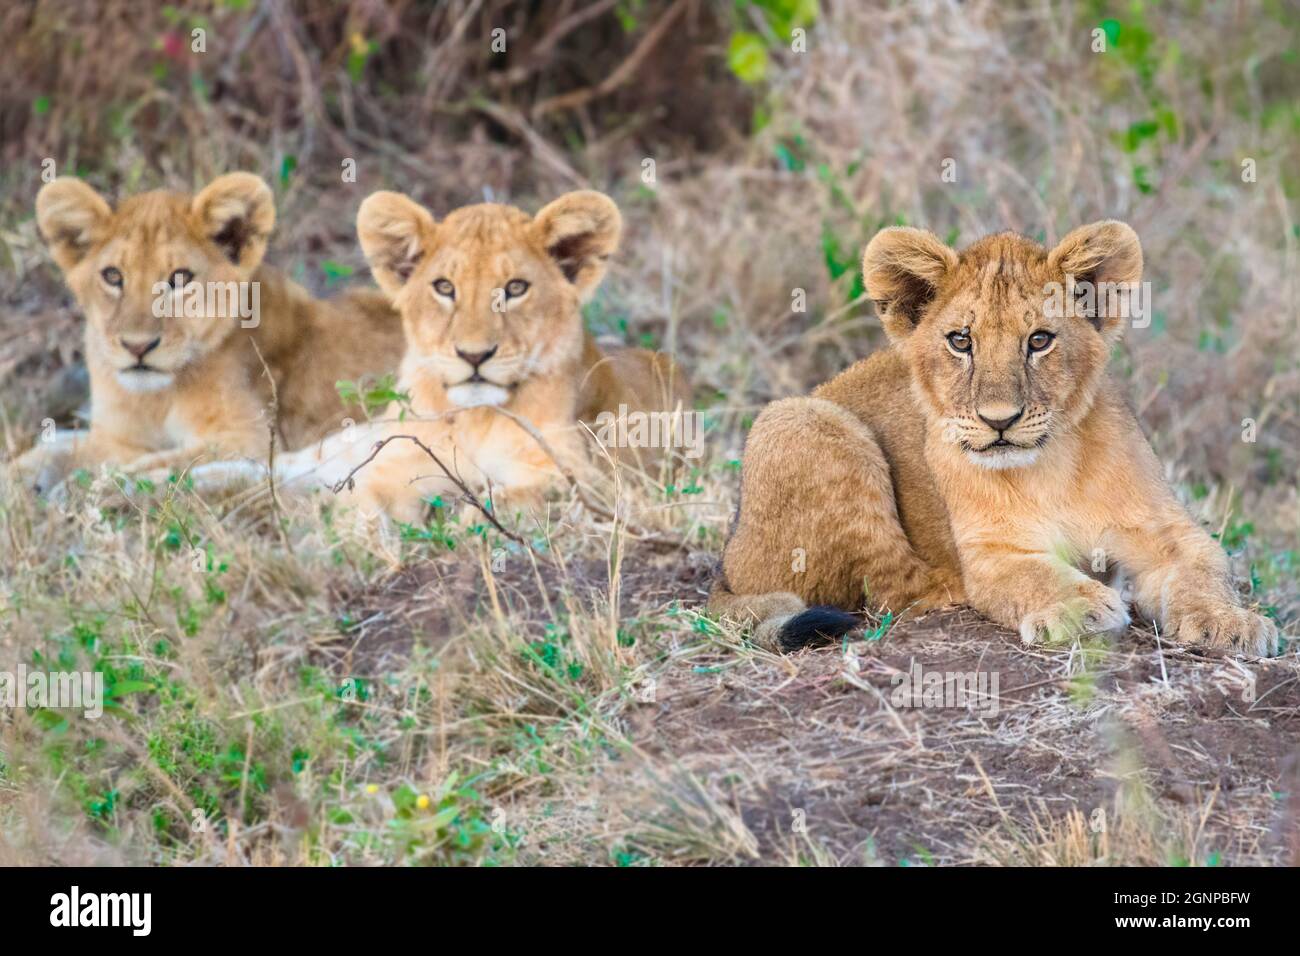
column 927, row 782
column 1184, row 747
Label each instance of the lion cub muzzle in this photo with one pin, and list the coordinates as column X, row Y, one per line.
column 477, row 387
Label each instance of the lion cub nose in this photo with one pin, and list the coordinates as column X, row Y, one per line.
column 477, row 358
column 140, row 347
column 999, row 417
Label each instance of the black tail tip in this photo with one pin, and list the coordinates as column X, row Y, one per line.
column 817, row 625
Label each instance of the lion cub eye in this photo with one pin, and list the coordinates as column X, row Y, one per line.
column 959, row 341
column 180, row 278
column 515, row 288
column 112, row 276
column 444, row 288
column 1040, row 340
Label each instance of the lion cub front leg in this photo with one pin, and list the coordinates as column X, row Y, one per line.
column 1042, row 596
column 46, row 463
column 88, row 450
column 1182, row 581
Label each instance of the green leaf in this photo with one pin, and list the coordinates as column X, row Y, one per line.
column 444, row 817
column 1142, row 179
column 789, row 161
column 348, row 391
column 50, row 720
column 122, row 688
column 747, row 56
column 404, row 798
column 359, row 55
column 334, row 271
column 1139, row 133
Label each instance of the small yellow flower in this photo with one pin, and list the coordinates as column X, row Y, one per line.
column 422, row 802
column 358, row 41
column 372, row 789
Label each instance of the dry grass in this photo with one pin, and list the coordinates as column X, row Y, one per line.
column 567, row 703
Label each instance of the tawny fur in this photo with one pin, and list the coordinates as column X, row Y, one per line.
column 205, row 391
column 543, row 367
column 884, row 488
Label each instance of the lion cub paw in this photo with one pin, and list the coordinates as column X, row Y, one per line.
column 39, row 469
column 1091, row 608
column 944, row 587
column 1220, row 626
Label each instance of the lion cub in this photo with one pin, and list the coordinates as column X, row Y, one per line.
column 985, row 458
column 176, row 298
column 496, row 358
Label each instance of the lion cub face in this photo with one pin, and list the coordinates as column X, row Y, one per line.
column 131, row 268
column 489, row 296
column 1006, row 341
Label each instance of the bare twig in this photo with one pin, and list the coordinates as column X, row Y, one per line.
column 649, row 537
column 626, row 70
column 349, row 483
column 514, row 121
column 539, row 55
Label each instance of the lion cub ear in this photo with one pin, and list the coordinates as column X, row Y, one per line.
column 70, row 216
column 580, row 231
column 237, row 212
column 901, row 269
column 1107, row 256
column 393, row 230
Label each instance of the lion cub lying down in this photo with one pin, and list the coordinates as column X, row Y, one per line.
column 985, row 458
column 489, row 299
column 175, row 295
